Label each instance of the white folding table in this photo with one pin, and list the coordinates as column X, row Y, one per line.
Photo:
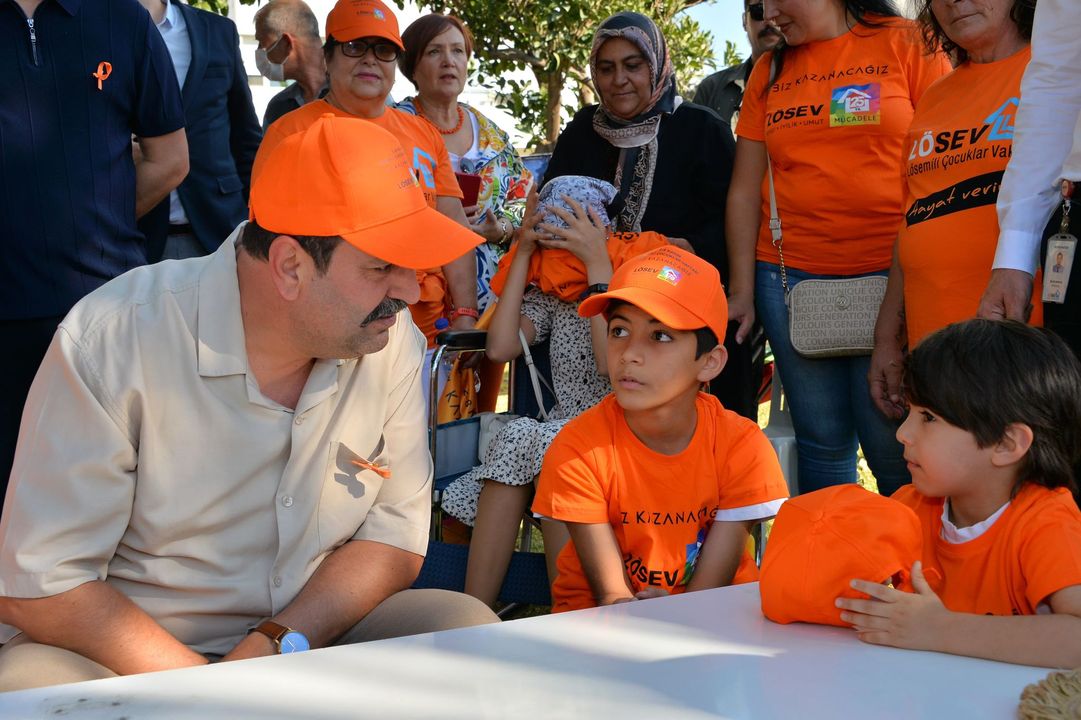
column 699, row 655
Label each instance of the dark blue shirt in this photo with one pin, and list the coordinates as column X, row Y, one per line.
column 67, row 180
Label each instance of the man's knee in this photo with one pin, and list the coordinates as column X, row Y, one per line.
column 412, row 612
column 25, row 664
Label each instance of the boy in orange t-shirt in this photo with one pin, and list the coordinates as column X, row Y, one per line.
column 658, row 484
column 990, row 440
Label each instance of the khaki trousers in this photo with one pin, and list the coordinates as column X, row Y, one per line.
column 25, row 664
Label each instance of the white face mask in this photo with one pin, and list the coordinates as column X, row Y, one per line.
column 269, row 70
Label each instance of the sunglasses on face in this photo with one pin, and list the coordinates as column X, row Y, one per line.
column 756, row 12
column 384, row 51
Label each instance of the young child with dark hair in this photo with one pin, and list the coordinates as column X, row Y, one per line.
column 658, row 483
column 992, row 433
column 565, row 248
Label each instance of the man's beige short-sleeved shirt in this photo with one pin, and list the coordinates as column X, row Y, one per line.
column 149, row 458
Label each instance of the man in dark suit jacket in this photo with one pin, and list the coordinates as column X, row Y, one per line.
column 223, row 133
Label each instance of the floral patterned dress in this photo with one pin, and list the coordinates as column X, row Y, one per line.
column 515, row 455
column 504, row 184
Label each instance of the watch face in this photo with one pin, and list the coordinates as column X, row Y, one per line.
column 294, row 642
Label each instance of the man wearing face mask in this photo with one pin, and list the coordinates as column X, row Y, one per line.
column 223, row 134
column 723, row 90
column 290, row 49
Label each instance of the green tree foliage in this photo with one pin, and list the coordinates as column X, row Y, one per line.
column 551, row 40
column 731, row 55
column 221, row 7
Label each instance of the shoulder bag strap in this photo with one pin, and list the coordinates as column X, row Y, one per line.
column 534, row 376
column 775, row 225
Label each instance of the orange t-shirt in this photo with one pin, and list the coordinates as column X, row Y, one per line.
column 560, row 273
column 1030, row 552
column 955, row 153
column 418, row 137
column 833, row 124
column 431, row 164
column 660, row 506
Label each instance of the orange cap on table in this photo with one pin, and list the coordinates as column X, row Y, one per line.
column 677, row 287
column 823, row 540
column 352, row 19
column 351, row 178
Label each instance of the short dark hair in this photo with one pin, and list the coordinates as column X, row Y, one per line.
column 328, row 48
column 421, row 32
column 934, row 37
column 704, row 338
column 256, row 241
column 984, row 375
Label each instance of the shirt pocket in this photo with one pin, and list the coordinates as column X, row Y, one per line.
column 351, row 484
column 228, row 184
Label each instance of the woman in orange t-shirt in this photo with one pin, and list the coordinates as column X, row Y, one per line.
column 828, row 107
column 955, row 154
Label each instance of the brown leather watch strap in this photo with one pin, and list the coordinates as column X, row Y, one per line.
column 272, row 630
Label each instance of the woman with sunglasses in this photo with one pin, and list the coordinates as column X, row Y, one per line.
column 362, row 51
column 828, row 108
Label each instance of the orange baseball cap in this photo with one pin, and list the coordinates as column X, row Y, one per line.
column 352, row 19
column 351, row 178
column 677, row 287
column 823, row 540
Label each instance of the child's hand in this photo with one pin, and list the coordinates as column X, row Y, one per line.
column 525, row 236
column 650, row 592
column 916, row 621
column 585, row 235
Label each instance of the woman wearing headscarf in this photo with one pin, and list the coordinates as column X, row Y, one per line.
column 670, row 161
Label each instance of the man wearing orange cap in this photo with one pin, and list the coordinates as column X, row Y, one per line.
column 658, row 484
column 225, row 457
column 362, row 48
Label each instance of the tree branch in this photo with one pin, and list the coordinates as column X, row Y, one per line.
column 513, row 55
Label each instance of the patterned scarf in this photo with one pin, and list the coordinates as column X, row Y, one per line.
column 637, row 137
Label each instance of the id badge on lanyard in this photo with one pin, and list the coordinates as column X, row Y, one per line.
column 1059, row 261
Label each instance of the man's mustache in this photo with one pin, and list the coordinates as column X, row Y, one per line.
column 388, row 307
column 769, row 30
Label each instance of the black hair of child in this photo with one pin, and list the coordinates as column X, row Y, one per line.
column 704, row 338
column 984, row 375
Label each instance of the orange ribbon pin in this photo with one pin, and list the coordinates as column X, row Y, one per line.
column 383, row 472
column 105, row 69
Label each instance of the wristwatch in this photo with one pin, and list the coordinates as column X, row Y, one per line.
column 595, row 289
column 287, row 640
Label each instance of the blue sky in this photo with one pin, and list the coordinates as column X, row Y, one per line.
column 722, row 18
